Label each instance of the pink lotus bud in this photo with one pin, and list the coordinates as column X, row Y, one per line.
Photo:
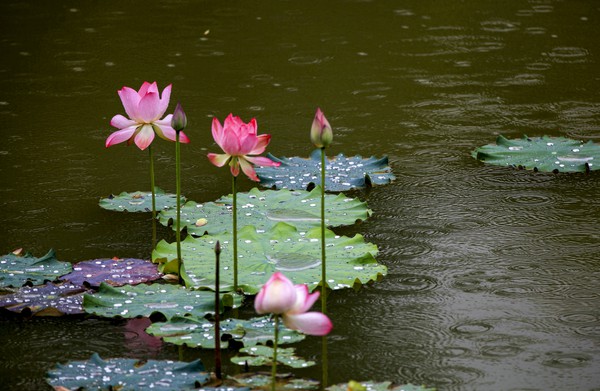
column 277, row 296
column 179, row 120
column 321, row 134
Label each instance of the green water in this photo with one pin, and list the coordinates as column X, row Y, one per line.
column 494, row 274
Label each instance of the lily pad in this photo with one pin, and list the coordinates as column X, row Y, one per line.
column 263, row 355
column 115, row 272
column 144, row 300
column 127, row 374
column 46, row 300
column 140, row 201
column 350, row 261
column 546, row 154
column 258, row 381
column 341, row 173
column 198, row 333
column 376, row 386
column 264, row 209
column 17, row 270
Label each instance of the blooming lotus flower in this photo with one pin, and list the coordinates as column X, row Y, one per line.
column 277, row 296
column 239, row 141
column 281, row 297
column 321, row 134
column 144, row 108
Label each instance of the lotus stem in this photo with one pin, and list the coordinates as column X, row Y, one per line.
column 178, row 191
column 323, row 269
column 323, row 262
column 153, row 197
column 274, row 365
column 217, row 315
column 235, row 255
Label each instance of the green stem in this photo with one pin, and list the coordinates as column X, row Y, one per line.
column 235, row 254
column 274, row 366
column 178, row 187
column 323, row 263
column 324, row 371
column 153, row 197
column 217, row 310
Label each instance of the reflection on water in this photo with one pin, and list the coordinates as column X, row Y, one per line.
column 493, row 274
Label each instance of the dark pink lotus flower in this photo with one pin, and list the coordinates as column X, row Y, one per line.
column 240, row 142
column 144, row 108
column 281, row 297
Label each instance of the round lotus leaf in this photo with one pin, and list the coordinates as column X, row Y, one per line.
column 143, row 300
column 376, row 386
column 546, row 154
column 140, row 201
column 115, row 272
column 17, row 270
column 264, row 209
column 350, row 261
column 263, row 355
column 127, row 374
column 341, row 173
column 261, row 381
column 199, row 333
column 46, row 300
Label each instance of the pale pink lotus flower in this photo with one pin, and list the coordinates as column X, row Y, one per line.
column 279, row 296
column 240, row 143
column 144, row 108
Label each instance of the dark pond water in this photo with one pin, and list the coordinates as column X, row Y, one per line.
column 494, row 274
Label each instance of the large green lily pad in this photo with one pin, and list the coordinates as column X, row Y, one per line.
column 144, row 300
column 46, row 300
column 350, row 261
column 263, row 209
column 140, row 201
column 547, row 154
column 376, row 386
column 262, row 381
column 17, row 270
column 199, row 333
column 341, row 173
column 263, row 355
column 126, row 374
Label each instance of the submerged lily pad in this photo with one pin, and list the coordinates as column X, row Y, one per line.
column 16, row 270
column 144, row 300
column 376, row 386
column 128, row 374
column 46, row 300
column 140, row 201
column 115, row 272
column 350, row 261
column 547, row 154
column 258, row 381
column 199, row 333
column 264, row 209
column 341, row 173
column 263, row 355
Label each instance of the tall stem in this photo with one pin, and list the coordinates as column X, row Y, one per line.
column 217, row 310
column 274, row 366
column 153, row 197
column 235, row 255
column 323, row 270
column 178, row 187
column 323, row 263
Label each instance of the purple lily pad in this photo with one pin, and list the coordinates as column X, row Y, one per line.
column 115, row 272
column 46, row 300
